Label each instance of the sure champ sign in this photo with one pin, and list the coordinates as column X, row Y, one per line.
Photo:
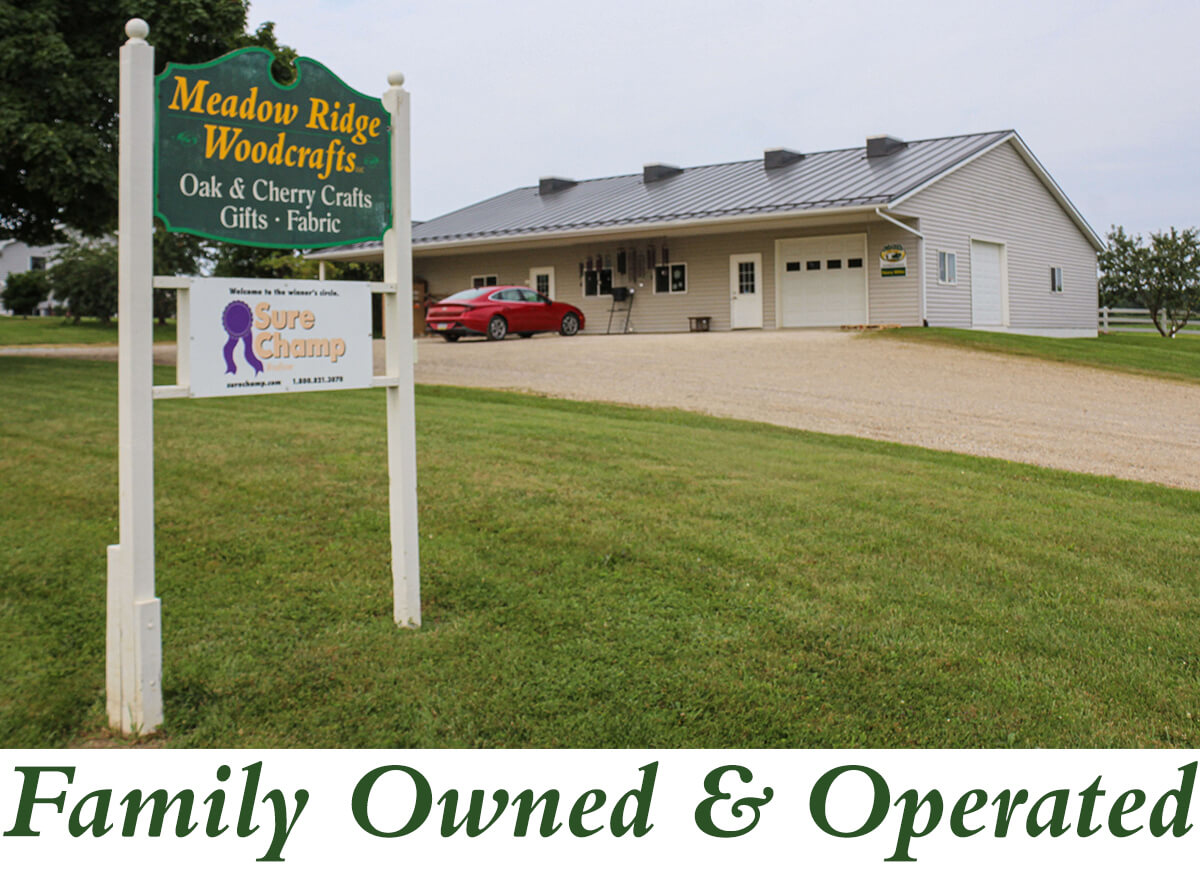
column 243, row 159
column 265, row 336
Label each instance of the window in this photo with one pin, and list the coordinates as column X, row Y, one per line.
column 37, row 263
column 670, row 278
column 793, row 266
column 1056, row 279
column 483, row 281
column 833, row 264
column 854, row 263
column 597, row 282
column 678, row 278
column 461, row 296
column 947, row 268
column 812, row 264
column 543, row 283
column 746, row 282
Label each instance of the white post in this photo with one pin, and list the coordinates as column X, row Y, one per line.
column 134, row 632
column 401, row 414
column 183, row 336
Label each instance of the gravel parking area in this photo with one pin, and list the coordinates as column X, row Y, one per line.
column 1050, row 414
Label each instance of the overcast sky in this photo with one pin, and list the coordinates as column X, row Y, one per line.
column 1106, row 94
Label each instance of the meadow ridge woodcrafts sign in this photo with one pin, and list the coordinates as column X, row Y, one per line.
column 243, row 159
column 221, row 150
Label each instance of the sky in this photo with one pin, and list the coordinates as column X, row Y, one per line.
column 1106, row 94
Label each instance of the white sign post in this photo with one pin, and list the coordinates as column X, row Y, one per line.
column 336, row 358
column 401, row 415
column 134, row 629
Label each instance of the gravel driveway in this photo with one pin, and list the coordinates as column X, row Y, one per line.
column 1051, row 414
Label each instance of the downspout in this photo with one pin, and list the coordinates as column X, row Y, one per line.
column 920, row 256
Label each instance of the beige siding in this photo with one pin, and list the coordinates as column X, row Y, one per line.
column 894, row 299
column 707, row 259
column 891, row 300
column 998, row 198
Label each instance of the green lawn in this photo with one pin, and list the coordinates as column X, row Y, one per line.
column 1141, row 353
column 60, row 331
column 592, row 576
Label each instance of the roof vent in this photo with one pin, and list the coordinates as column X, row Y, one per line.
column 553, row 184
column 657, row 172
column 882, row 146
column 774, row 158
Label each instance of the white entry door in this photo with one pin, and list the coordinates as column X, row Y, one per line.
column 541, row 279
column 822, row 281
column 987, row 284
column 745, row 291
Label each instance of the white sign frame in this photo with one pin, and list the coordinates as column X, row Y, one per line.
column 133, row 674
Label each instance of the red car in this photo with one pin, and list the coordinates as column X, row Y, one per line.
column 498, row 310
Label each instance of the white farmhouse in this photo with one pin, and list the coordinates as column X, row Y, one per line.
column 17, row 257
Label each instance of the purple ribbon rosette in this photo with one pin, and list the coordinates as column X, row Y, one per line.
column 237, row 320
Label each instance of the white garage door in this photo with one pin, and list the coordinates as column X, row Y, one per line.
column 824, row 281
column 987, row 284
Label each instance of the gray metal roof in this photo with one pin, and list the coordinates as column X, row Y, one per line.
column 821, row 180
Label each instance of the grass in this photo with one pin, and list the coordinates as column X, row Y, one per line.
column 60, row 331
column 1140, row 353
column 592, row 576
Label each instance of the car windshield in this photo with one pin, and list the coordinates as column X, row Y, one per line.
column 469, row 294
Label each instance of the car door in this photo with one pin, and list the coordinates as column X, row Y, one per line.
column 516, row 311
column 541, row 311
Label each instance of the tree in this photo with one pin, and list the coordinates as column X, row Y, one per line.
column 1123, row 270
column 1162, row 275
column 59, row 96
column 24, row 290
column 84, row 276
column 1174, row 278
column 175, row 254
column 350, row 271
column 260, row 263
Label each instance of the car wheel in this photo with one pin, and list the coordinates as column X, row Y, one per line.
column 497, row 328
column 524, row 335
column 449, row 337
column 570, row 324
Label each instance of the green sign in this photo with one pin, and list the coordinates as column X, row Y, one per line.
column 893, row 261
column 242, row 159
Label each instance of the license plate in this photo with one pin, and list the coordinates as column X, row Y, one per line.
column 440, row 326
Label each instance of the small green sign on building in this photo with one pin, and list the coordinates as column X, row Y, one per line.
column 893, row 261
column 243, row 159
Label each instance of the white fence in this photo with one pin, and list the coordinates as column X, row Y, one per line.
column 1137, row 321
